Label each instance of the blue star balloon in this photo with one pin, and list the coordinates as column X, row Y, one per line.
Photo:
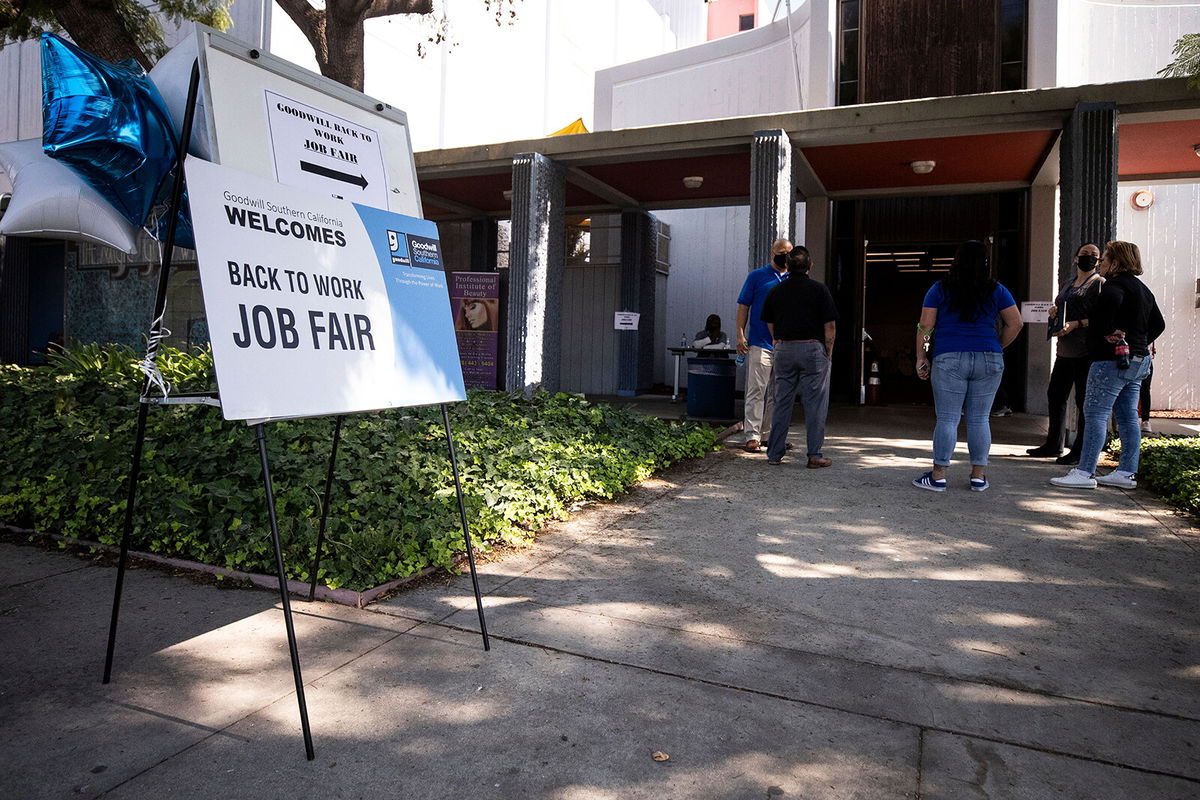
column 109, row 124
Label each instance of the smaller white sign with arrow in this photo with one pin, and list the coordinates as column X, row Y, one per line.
column 325, row 153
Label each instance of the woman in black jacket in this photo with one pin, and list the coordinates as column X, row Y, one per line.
column 1071, row 313
column 1125, row 321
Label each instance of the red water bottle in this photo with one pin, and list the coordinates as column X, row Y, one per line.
column 1122, row 352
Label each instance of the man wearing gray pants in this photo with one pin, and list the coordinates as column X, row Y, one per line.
column 801, row 317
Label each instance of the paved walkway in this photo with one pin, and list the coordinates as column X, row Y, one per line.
column 776, row 631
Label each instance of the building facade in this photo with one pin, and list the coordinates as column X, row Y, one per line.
column 632, row 68
column 848, row 52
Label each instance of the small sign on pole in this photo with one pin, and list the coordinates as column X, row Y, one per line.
column 626, row 320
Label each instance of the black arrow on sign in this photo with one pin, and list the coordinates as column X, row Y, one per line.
column 317, row 169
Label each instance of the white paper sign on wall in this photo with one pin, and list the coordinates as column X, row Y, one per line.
column 1036, row 310
column 626, row 320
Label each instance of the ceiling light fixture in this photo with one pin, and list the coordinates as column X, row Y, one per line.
column 693, row 181
column 1196, row 150
column 922, row 167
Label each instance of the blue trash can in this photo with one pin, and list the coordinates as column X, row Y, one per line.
column 710, row 387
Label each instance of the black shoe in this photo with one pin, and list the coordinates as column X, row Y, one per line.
column 1069, row 458
column 1045, row 451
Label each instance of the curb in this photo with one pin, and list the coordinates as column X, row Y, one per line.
column 345, row 597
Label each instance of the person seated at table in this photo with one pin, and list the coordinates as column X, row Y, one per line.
column 712, row 336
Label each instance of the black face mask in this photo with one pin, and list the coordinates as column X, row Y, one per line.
column 780, row 260
column 1087, row 262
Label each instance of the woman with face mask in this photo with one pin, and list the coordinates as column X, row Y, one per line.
column 1125, row 322
column 1069, row 322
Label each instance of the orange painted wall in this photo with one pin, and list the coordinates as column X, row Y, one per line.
column 723, row 16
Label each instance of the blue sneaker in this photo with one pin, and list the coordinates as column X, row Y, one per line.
column 926, row 481
column 979, row 484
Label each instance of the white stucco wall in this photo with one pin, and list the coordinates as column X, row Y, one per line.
column 1105, row 41
column 1168, row 235
column 708, row 267
column 490, row 83
column 748, row 73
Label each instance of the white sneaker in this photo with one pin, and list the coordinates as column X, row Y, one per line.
column 1122, row 480
column 1075, row 479
column 1146, row 426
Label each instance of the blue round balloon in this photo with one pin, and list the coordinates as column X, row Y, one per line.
column 108, row 123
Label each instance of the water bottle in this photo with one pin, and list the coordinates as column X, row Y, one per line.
column 1122, row 353
column 683, row 339
column 741, row 359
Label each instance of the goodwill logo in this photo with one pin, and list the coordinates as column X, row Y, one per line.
column 398, row 248
column 425, row 252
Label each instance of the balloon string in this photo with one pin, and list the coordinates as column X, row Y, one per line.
column 149, row 365
column 158, row 332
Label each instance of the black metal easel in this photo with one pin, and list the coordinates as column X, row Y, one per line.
column 462, row 513
column 337, row 438
column 140, row 438
column 156, row 332
column 156, row 327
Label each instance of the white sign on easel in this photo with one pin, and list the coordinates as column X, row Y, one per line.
column 319, row 151
column 268, row 117
column 318, row 306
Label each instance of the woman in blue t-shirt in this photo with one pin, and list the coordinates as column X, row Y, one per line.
column 967, row 360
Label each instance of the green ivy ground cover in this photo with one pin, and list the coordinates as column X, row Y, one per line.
column 1170, row 466
column 66, row 435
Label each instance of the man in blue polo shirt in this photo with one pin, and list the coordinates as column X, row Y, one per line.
column 754, row 341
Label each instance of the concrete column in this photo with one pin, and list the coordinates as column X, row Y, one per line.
column 635, row 349
column 535, row 267
column 772, row 194
column 1043, row 241
column 1088, row 180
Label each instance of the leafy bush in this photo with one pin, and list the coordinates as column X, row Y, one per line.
column 66, row 432
column 1170, row 465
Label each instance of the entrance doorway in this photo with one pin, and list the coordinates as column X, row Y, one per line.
column 886, row 253
column 895, row 280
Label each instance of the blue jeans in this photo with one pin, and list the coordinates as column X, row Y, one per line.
column 1113, row 391
column 964, row 382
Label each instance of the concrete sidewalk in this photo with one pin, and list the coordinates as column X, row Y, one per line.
column 777, row 631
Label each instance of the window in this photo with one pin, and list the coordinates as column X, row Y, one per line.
column 745, row 22
column 848, row 22
column 1012, row 44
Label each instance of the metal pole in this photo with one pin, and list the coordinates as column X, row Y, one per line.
column 135, row 470
column 337, row 437
column 160, row 306
column 283, row 590
column 462, row 512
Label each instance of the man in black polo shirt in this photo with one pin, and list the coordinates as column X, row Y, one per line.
column 802, row 319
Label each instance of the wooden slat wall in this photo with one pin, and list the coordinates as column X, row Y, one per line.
column 928, row 219
column 927, row 48
column 591, row 294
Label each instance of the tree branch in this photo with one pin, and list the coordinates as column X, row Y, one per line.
column 386, row 8
column 311, row 23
